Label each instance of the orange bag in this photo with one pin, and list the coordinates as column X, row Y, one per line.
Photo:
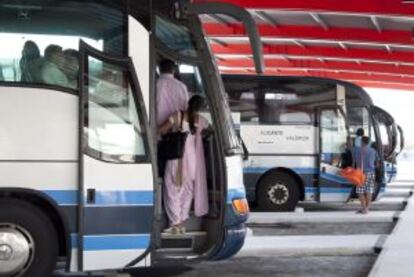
column 354, row 175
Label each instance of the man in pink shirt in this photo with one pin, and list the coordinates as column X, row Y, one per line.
column 172, row 94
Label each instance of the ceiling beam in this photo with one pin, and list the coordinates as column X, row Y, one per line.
column 373, row 55
column 281, row 62
column 218, row 18
column 389, row 50
column 318, row 58
column 267, row 18
column 333, row 74
column 343, row 45
column 386, row 7
column 376, row 23
column 317, row 18
column 359, row 35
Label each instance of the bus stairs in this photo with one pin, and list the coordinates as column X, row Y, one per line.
column 191, row 243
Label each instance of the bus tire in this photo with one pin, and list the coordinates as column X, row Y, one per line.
column 278, row 192
column 28, row 226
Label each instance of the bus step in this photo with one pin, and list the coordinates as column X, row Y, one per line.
column 192, row 241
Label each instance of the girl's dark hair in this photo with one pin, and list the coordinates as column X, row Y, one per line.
column 30, row 50
column 195, row 105
column 360, row 132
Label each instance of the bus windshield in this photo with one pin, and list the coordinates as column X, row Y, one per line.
column 179, row 41
column 386, row 130
column 175, row 37
column 400, row 140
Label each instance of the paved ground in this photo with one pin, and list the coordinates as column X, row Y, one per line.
column 396, row 257
column 302, row 229
column 321, row 266
column 387, row 206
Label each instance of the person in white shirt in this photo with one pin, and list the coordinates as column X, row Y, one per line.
column 358, row 139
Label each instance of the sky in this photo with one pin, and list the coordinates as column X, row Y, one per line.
column 400, row 104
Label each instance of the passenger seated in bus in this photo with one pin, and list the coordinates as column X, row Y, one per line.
column 30, row 63
column 185, row 179
column 346, row 155
column 71, row 66
column 359, row 134
column 52, row 72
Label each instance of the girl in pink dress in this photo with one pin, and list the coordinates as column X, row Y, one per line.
column 185, row 179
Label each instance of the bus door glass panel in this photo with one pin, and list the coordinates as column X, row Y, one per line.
column 333, row 144
column 116, row 168
column 190, row 75
column 359, row 118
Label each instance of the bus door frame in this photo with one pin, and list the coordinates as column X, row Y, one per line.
column 86, row 51
column 321, row 168
column 374, row 110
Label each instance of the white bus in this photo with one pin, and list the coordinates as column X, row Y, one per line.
column 296, row 130
column 78, row 160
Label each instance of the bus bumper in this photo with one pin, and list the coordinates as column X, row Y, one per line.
column 234, row 234
column 233, row 241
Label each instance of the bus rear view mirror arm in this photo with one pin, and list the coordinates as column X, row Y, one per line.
column 238, row 13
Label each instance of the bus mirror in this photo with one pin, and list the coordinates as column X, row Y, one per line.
column 245, row 151
column 240, row 14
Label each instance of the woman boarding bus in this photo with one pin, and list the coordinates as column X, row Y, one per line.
column 78, row 169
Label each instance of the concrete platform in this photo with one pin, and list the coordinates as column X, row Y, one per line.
column 322, row 217
column 406, row 185
column 398, row 192
column 390, row 200
column 397, row 255
column 311, row 245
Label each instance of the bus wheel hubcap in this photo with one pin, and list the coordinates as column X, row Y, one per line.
column 16, row 250
column 278, row 194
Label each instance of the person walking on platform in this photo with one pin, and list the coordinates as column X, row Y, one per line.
column 366, row 159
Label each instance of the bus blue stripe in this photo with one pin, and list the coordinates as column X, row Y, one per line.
column 327, row 190
column 70, row 197
column 334, row 178
column 113, row 242
column 63, row 197
column 299, row 170
column 124, row 197
column 235, row 193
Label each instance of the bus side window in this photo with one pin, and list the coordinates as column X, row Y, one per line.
column 43, row 49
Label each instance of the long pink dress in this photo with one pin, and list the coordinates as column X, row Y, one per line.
column 178, row 196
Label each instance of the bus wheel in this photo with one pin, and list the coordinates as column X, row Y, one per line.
column 28, row 240
column 278, row 192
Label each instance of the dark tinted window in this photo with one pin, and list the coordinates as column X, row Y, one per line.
column 176, row 37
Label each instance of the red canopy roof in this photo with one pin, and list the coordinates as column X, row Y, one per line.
column 368, row 42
